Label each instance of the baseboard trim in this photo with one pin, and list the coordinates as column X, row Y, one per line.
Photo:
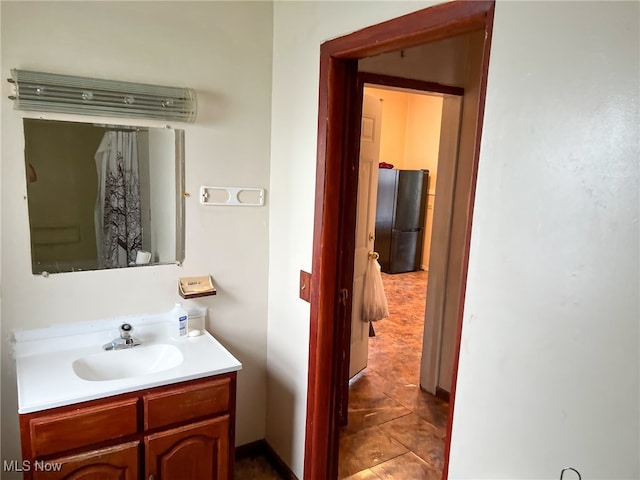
column 248, row 450
column 282, row 468
column 442, row 394
column 262, row 447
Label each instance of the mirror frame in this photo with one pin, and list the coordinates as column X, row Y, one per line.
column 181, row 194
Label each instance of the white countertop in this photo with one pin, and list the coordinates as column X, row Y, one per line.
column 44, row 359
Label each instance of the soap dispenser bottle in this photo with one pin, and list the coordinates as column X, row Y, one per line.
column 180, row 314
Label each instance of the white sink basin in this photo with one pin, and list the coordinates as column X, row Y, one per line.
column 128, row 363
column 65, row 364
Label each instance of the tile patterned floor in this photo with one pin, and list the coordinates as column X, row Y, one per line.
column 395, row 430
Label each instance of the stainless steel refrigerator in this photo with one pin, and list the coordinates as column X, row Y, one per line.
column 400, row 211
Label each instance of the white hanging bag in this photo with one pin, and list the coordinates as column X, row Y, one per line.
column 374, row 300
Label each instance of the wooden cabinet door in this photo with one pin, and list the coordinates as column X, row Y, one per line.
column 119, row 462
column 198, row 451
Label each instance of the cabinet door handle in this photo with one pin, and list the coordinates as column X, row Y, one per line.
column 151, row 477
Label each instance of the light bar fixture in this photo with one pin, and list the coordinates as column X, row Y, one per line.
column 49, row 92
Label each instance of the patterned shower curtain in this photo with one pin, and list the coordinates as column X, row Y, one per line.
column 117, row 210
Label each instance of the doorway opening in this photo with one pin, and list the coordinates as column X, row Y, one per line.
column 392, row 425
column 335, row 214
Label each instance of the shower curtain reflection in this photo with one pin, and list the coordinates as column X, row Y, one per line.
column 117, row 210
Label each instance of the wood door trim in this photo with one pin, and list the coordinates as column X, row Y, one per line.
column 410, row 83
column 333, row 224
column 347, row 243
column 423, row 26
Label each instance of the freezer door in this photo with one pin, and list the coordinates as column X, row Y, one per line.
column 385, row 213
column 409, row 214
column 405, row 251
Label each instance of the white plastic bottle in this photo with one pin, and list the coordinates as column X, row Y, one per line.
column 180, row 314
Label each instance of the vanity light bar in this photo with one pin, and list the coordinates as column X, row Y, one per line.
column 49, row 92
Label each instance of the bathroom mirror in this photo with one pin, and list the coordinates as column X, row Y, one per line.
column 103, row 196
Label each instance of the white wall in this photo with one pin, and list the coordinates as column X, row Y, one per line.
column 549, row 363
column 224, row 51
column 299, row 29
column 549, row 370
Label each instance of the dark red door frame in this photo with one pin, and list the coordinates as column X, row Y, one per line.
column 339, row 111
column 409, row 83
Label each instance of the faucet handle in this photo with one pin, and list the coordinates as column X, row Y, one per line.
column 125, row 330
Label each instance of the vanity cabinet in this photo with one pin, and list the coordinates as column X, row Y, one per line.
column 182, row 431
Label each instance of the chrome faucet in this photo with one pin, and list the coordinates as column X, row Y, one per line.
column 124, row 341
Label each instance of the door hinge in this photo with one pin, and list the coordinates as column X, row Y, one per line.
column 343, row 296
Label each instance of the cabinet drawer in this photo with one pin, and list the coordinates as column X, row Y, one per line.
column 186, row 403
column 84, row 426
column 117, row 462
